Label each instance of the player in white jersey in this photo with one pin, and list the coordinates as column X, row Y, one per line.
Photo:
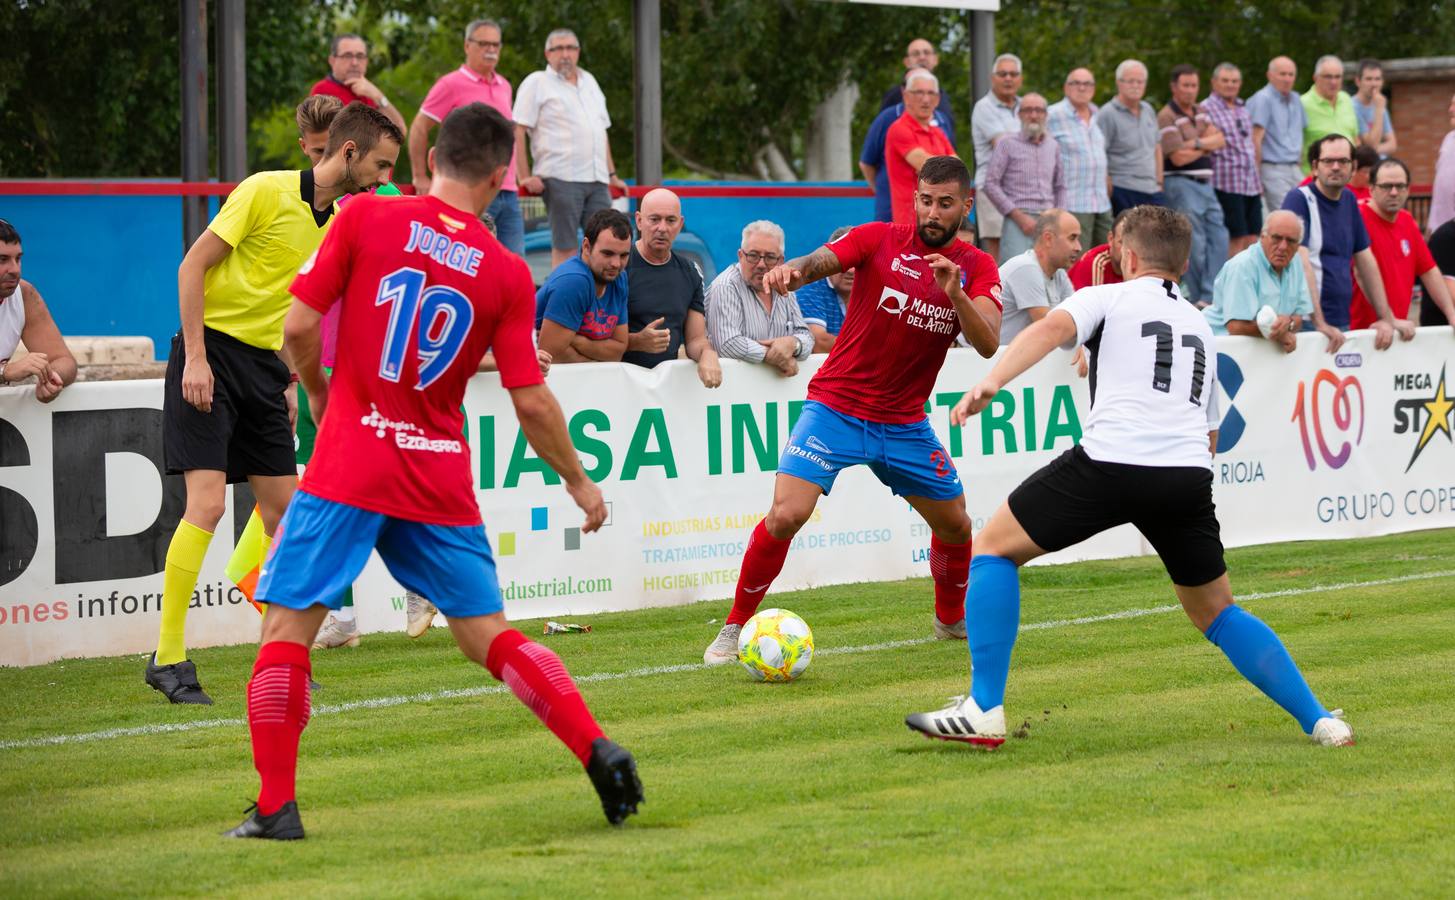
column 1145, row 458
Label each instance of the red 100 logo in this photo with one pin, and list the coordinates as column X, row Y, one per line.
column 1330, row 395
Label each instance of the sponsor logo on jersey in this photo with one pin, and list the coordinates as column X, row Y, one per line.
column 896, row 266
column 1430, row 412
column 1404, row 246
column 892, row 301
column 407, row 435
column 452, row 224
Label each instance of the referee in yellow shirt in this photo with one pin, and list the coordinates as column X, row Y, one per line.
column 229, row 403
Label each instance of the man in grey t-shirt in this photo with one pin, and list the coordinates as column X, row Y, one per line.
column 1034, row 282
column 1133, row 152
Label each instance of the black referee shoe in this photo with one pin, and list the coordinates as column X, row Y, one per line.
column 283, row 825
column 178, row 681
column 614, row 775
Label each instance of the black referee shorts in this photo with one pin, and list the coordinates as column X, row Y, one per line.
column 247, row 432
column 1075, row 497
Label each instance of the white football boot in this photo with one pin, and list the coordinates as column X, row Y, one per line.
column 337, row 633
column 421, row 613
column 1333, row 731
column 962, row 720
column 952, row 632
column 724, row 647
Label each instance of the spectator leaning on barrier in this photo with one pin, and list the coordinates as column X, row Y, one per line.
column 348, row 60
column 1396, row 242
column 1103, row 264
column 24, row 318
column 581, row 310
column 1188, row 138
column 1442, row 202
column 1025, row 177
column 1083, row 156
column 1371, row 108
column 1133, row 152
column 665, row 309
column 1235, row 171
column 921, row 55
column 313, row 116
column 1261, row 278
column 1278, row 120
column 825, row 302
column 564, row 112
column 1335, row 236
column 1442, row 250
column 476, row 80
column 1328, row 109
column 994, row 117
column 912, row 139
column 745, row 319
column 1035, row 282
column 871, row 155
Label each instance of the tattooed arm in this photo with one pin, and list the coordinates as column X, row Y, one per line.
column 795, row 273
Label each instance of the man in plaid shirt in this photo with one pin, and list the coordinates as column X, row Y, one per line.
column 1082, row 146
column 1235, row 167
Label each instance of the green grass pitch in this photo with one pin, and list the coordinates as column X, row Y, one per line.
column 1141, row 764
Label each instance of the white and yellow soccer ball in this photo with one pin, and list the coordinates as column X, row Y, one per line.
column 775, row 645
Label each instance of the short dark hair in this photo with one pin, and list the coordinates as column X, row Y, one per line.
column 316, row 113
column 1316, row 149
column 1373, row 174
column 945, row 169
column 8, row 234
column 607, row 220
column 1161, row 236
column 1368, row 63
column 1120, row 217
column 1175, row 75
column 840, row 232
column 340, row 38
column 1365, row 157
column 363, row 125
column 474, row 141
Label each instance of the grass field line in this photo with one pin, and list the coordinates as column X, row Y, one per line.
column 649, row 671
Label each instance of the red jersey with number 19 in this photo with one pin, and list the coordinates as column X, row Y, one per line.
column 899, row 324
column 426, row 291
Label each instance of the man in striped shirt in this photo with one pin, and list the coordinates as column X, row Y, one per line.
column 748, row 321
column 1083, row 156
column 1235, row 178
column 1025, row 177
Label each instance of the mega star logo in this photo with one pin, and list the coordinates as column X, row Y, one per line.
column 1436, row 411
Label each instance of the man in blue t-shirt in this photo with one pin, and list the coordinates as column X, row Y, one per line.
column 825, row 302
column 871, row 157
column 1335, row 236
column 581, row 310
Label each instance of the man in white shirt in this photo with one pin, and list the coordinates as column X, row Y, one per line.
column 24, row 318
column 1145, row 459
column 1035, row 282
column 563, row 111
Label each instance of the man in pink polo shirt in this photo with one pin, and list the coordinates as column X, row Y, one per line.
column 911, row 140
column 348, row 60
column 474, row 82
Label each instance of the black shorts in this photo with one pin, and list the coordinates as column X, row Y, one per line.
column 1242, row 213
column 247, row 432
column 1075, row 497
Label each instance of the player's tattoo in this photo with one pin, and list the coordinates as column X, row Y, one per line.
column 821, row 263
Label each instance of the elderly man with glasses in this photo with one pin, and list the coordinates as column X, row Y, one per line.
column 1025, row 178
column 1083, row 156
column 348, row 60
column 749, row 321
column 1401, row 250
column 994, row 117
column 911, row 140
column 1259, row 292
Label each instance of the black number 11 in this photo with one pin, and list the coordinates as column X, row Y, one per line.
column 1162, row 366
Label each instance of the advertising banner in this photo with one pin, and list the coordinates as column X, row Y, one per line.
column 1312, row 446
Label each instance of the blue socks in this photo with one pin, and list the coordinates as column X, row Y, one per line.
column 992, row 616
column 1257, row 653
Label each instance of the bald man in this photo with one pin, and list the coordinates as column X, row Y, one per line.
column 920, row 54
column 665, row 311
column 1278, row 122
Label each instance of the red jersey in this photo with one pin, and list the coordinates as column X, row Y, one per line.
column 1094, row 267
column 1403, row 256
column 335, row 88
column 898, row 325
column 426, row 291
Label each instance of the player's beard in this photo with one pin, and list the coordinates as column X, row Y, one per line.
column 944, row 236
column 8, row 285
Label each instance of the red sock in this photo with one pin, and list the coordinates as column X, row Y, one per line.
column 950, row 567
column 761, row 564
column 539, row 680
column 278, row 710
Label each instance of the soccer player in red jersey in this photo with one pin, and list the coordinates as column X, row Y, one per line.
column 425, row 292
column 915, row 288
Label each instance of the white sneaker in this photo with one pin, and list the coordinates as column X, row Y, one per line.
column 421, row 613
column 961, row 720
column 337, row 633
column 1333, row 731
column 953, row 632
column 724, row 647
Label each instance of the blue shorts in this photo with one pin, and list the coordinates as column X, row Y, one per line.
column 909, row 459
column 322, row 546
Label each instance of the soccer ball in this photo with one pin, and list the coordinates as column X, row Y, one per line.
column 775, row 645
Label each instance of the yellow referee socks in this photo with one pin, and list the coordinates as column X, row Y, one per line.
column 184, row 561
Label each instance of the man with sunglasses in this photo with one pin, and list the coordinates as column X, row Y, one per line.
column 748, row 320
column 1398, row 245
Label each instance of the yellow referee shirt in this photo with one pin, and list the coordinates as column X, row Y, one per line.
column 272, row 227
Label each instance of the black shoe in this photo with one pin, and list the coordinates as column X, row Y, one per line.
column 283, row 825
column 178, row 681
column 614, row 775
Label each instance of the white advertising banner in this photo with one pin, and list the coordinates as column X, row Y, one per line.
column 1312, row 445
